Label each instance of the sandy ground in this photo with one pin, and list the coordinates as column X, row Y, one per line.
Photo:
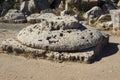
column 107, row 67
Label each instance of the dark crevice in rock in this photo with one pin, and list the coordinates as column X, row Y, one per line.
column 61, row 34
column 39, row 40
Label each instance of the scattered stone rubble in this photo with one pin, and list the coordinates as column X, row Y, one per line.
column 105, row 22
column 59, row 39
column 49, row 17
column 30, row 13
column 115, row 16
column 96, row 16
column 14, row 15
column 95, row 12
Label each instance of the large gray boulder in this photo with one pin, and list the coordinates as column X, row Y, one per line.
column 58, row 38
column 12, row 45
column 39, row 37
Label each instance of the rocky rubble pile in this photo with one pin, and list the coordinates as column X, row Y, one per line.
column 33, row 11
column 98, row 17
column 15, row 16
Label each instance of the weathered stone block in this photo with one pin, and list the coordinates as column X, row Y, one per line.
column 115, row 15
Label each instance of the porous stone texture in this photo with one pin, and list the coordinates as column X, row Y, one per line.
column 33, row 6
column 12, row 45
column 36, row 18
column 14, row 16
column 52, row 18
column 33, row 18
column 59, row 40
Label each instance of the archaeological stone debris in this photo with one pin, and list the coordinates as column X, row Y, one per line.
column 14, row 16
column 115, row 15
column 58, row 38
column 61, row 30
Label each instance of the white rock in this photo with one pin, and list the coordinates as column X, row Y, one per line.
column 14, row 16
column 95, row 12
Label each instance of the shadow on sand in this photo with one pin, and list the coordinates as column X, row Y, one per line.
column 111, row 49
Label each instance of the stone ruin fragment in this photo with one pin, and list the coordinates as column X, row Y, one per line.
column 14, row 16
column 115, row 16
column 58, row 39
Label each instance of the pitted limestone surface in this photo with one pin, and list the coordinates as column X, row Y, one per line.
column 60, row 40
column 63, row 39
column 52, row 19
column 12, row 45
